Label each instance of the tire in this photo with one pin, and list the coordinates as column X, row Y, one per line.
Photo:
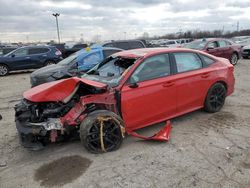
column 90, row 132
column 4, row 70
column 49, row 62
column 234, row 59
column 215, row 98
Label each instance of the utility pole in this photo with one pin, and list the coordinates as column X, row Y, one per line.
column 238, row 26
column 58, row 35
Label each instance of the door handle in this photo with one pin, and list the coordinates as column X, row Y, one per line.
column 206, row 75
column 168, row 84
column 27, row 57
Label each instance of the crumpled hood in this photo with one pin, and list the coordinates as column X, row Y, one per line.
column 58, row 90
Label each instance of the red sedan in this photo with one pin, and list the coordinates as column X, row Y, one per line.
column 128, row 91
column 218, row 47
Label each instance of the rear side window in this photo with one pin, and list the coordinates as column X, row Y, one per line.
column 33, row 51
column 136, row 44
column 170, row 42
column 107, row 53
column 222, row 43
column 122, row 45
column 207, row 60
column 187, row 62
column 154, row 67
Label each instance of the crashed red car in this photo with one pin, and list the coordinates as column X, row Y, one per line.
column 128, row 91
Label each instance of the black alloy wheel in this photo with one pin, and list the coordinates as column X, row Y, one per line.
column 215, row 98
column 101, row 132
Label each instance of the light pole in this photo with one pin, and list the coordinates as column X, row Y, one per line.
column 58, row 35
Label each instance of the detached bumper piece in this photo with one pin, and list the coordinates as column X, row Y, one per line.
column 162, row 135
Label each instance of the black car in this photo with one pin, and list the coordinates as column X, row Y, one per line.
column 29, row 58
column 125, row 44
column 75, row 64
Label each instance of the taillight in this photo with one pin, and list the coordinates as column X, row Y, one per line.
column 58, row 52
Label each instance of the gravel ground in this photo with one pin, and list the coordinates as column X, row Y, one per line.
column 205, row 150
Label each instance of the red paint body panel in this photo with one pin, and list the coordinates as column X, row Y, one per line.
column 162, row 135
column 58, row 90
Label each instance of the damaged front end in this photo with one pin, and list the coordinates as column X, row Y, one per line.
column 39, row 122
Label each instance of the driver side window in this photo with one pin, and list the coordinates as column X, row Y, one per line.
column 154, row 67
column 21, row 52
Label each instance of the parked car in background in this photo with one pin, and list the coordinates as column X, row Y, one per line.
column 171, row 44
column 6, row 50
column 69, row 48
column 68, row 51
column 29, row 57
column 76, row 63
column 125, row 44
column 184, row 41
column 245, row 51
column 131, row 90
column 218, row 47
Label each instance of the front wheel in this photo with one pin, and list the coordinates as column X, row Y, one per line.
column 234, row 59
column 102, row 131
column 4, row 70
column 215, row 98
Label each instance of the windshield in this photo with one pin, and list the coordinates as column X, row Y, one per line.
column 72, row 58
column 197, row 45
column 110, row 71
column 11, row 52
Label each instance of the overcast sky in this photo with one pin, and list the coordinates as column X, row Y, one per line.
column 31, row 20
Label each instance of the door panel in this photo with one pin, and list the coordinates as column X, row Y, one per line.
column 192, row 81
column 152, row 101
column 151, row 96
column 19, row 59
column 192, row 89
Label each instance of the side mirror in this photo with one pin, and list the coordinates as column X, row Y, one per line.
column 12, row 55
column 132, row 83
column 210, row 48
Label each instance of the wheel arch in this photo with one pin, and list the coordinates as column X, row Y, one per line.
column 6, row 65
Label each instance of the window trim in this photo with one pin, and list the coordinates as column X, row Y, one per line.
column 204, row 62
column 128, row 81
column 175, row 64
column 49, row 50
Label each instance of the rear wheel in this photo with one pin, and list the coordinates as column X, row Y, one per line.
column 4, row 70
column 215, row 98
column 102, row 131
column 234, row 59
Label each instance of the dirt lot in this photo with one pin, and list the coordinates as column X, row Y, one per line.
column 205, row 150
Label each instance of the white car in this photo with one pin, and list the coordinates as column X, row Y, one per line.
column 171, row 44
column 246, row 52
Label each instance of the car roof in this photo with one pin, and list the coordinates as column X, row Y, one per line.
column 145, row 52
